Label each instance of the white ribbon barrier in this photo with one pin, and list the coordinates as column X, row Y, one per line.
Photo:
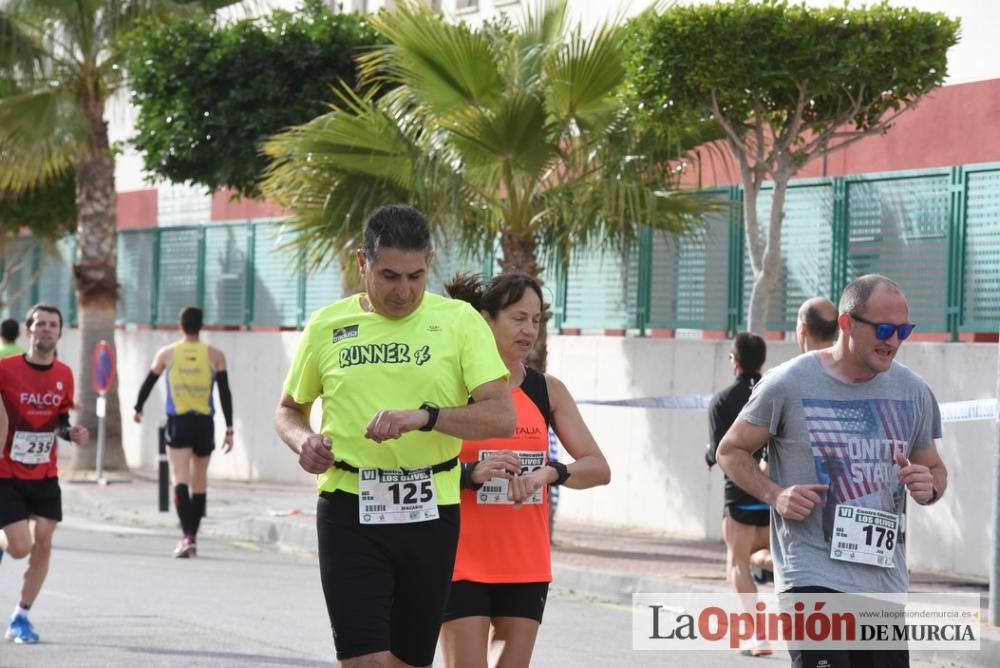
column 951, row 411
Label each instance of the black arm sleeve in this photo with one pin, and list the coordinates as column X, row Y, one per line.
column 716, row 430
column 225, row 398
column 465, row 482
column 62, row 431
column 147, row 387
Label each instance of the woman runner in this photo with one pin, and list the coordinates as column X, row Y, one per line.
column 503, row 566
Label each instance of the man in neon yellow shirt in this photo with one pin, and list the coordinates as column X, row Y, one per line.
column 394, row 368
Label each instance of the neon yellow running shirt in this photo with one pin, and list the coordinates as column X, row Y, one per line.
column 189, row 380
column 359, row 363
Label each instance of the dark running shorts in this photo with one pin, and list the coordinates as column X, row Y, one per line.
column 482, row 599
column 385, row 585
column 757, row 518
column 20, row 499
column 193, row 430
column 844, row 658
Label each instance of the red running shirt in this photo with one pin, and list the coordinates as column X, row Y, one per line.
column 34, row 397
column 496, row 543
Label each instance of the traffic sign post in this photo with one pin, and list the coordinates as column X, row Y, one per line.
column 102, row 376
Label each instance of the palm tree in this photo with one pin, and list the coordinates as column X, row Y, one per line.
column 509, row 133
column 63, row 59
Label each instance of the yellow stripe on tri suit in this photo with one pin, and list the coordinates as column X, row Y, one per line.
column 189, row 380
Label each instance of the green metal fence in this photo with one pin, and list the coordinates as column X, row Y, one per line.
column 935, row 231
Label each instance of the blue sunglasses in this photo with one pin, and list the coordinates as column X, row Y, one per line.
column 885, row 330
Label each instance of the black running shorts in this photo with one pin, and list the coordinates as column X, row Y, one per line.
column 844, row 658
column 483, row 599
column 192, row 430
column 757, row 518
column 20, row 499
column 385, row 585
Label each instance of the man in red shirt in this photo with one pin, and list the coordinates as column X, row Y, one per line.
column 36, row 394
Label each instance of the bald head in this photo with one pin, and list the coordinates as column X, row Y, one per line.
column 817, row 324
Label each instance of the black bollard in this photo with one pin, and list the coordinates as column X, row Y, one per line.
column 164, row 470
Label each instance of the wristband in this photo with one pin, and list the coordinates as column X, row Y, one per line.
column 432, row 410
column 466, row 481
column 561, row 470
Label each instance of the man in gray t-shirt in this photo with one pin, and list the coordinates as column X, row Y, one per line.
column 848, row 432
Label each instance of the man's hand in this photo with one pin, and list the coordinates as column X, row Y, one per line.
column 137, row 417
column 917, row 478
column 521, row 487
column 797, row 501
column 79, row 435
column 390, row 424
column 501, row 464
column 315, row 455
column 227, row 442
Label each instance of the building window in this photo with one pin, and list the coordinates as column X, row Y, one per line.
column 466, row 4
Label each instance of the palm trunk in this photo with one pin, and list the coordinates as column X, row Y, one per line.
column 519, row 253
column 96, row 284
column 766, row 279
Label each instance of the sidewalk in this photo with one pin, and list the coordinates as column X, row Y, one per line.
column 601, row 561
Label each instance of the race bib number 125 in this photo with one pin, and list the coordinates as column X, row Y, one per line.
column 393, row 496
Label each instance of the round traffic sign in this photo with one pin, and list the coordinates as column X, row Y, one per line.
column 102, row 367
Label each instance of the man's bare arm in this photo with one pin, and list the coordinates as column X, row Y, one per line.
column 4, row 423
column 736, row 459
column 291, row 422
column 735, row 456
column 924, row 473
column 490, row 416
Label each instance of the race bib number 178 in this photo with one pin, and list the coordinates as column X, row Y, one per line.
column 864, row 536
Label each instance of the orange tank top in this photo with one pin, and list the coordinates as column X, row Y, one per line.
column 496, row 543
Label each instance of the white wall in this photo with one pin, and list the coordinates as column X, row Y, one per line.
column 659, row 477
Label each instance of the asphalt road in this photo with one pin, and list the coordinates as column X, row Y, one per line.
column 114, row 597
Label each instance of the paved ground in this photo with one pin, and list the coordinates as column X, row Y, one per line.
column 595, row 560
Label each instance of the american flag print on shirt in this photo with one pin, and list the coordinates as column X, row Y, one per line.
column 854, row 445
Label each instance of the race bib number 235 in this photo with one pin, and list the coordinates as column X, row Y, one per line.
column 32, row 447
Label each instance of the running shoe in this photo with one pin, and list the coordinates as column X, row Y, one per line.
column 761, row 575
column 186, row 547
column 21, row 631
column 756, row 648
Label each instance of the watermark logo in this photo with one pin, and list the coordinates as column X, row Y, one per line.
column 806, row 621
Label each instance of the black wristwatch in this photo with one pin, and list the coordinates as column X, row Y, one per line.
column 432, row 410
column 561, row 470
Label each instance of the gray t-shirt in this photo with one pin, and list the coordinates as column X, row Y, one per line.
column 846, row 435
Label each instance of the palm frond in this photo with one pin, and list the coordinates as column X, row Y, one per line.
column 584, row 76
column 542, row 30
column 331, row 171
column 515, row 135
column 19, row 51
column 40, row 134
column 447, row 66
